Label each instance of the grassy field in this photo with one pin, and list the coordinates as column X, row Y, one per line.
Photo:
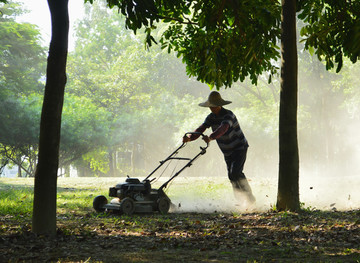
column 206, row 226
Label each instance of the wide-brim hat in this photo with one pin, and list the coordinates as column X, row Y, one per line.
column 214, row 100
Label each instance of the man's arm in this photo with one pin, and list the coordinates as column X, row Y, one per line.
column 220, row 131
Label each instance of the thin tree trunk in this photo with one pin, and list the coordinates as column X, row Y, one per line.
column 111, row 162
column 44, row 207
column 19, row 166
column 133, row 158
column 288, row 187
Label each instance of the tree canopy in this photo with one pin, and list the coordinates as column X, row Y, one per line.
column 332, row 30
column 220, row 41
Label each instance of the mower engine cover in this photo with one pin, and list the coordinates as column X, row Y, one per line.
column 130, row 187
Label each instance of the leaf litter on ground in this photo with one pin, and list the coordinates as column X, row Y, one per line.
column 308, row 236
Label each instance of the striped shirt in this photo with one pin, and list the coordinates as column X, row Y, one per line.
column 226, row 131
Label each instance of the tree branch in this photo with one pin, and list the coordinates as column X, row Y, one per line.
column 189, row 22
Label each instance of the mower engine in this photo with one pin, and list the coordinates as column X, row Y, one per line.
column 133, row 188
column 133, row 196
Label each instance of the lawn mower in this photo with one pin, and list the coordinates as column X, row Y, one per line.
column 135, row 196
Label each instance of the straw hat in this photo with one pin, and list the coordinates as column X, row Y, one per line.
column 214, row 100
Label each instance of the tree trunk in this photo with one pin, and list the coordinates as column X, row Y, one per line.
column 44, row 207
column 19, row 166
column 67, row 170
column 133, row 158
column 111, row 162
column 288, row 187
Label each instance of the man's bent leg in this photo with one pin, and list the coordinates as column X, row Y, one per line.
column 241, row 187
column 246, row 189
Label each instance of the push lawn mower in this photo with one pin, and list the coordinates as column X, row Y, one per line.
column 135, row 196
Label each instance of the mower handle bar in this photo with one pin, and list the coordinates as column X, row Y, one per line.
column 203, row 151
column 198, row 133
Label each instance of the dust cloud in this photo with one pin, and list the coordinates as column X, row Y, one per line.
column 205, row 188
column 315, row 194
column 330, row 193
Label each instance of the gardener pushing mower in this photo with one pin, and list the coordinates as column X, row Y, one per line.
column 231, row 141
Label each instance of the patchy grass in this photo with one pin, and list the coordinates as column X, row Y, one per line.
column 222, row 236
column 15, row 199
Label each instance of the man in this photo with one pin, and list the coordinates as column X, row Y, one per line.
column 231, row 141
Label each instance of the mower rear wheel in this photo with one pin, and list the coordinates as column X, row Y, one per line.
column 99, row 202
column 163, row 205
column 127, row 206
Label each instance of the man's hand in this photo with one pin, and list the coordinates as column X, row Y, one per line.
column 206, row 139
column 186, row 139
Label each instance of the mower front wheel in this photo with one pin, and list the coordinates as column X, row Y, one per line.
column 99, row 202
column 163, row 205
column 127, row 206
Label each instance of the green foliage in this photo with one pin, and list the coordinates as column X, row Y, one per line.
column 19, row 119
column 22, row 61
column 20, row 130
column 348, row 85
column 211, row 30
column 11, row 9
column 221, row 42
column 21, row 53
column 98, row 160
column 85, row 127
column 227, row 41
column 141, row 90
column 332, row 29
